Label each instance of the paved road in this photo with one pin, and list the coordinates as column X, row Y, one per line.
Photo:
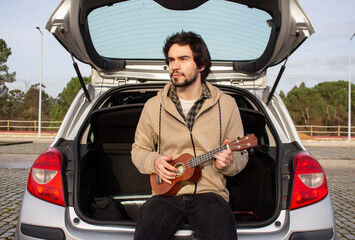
column 338, row 162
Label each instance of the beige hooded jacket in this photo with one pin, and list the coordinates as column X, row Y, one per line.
column 176, row 138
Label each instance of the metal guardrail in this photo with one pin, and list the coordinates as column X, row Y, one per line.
column 22, row 125
column 32, row 125
column 315, row 130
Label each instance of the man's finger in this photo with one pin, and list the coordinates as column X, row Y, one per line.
column 169, row 167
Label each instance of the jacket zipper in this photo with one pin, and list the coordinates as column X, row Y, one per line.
column 191, row 137
column 192, row 141
column 193, row 147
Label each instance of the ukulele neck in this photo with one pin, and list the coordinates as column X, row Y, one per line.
column 194, row 162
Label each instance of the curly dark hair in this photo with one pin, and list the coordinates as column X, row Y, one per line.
column 199, row 48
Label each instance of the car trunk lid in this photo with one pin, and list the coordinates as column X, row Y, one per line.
column 122, row 40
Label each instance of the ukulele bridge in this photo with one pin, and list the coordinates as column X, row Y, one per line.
column 159, row 180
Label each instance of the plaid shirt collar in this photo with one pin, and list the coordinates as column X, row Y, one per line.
column 190, row 118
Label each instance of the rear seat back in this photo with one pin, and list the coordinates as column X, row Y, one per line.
column 116, row 124
column 253, row 122
column 114, row 129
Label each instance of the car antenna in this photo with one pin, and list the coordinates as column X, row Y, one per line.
column 282, row 69
column 76, row 67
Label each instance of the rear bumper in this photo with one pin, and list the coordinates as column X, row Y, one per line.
column 42, row 232
column 321, row 234
column 38, row 219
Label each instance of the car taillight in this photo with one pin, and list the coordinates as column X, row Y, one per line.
column 310, row 184
column 45, row 180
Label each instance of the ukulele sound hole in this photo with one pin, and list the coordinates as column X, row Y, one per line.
column 180, row 169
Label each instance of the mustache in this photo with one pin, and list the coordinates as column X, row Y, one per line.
column 171, row 74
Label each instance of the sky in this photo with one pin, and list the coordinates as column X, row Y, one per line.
column 324, row 56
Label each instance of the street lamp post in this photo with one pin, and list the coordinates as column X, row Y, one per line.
column 349, row 100
column 40, row 88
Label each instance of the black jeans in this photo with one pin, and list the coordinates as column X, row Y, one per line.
column 209, row 215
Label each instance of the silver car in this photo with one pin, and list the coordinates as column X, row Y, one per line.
column 85, row 185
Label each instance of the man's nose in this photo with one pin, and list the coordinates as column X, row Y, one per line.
column 175, row 65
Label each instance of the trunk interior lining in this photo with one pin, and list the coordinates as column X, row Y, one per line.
column 107, row 169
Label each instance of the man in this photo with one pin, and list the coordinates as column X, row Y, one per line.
column 188, row 116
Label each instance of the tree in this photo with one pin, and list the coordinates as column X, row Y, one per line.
column 13, row 106
column 5, row 76
column 66, row 97
column 335, row 96
column 282, row 95
column 324, row 104
column 30, row 103
column 305, row 105
column 302, row 85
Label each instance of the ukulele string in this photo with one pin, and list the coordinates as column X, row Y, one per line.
column 203, row 157
column 206, row 156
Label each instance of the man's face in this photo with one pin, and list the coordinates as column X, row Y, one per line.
column 182, row 67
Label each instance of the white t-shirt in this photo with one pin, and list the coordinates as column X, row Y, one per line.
column 186, row 106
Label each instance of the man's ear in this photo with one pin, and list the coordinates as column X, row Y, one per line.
column 201, row 69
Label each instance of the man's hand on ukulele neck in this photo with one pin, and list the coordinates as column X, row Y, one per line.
column 224, row 158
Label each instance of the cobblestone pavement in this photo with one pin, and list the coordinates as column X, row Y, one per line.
column 339, row 165
column 13, row 183
column 341, row 181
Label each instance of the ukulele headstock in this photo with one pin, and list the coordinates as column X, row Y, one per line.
column 245, row 142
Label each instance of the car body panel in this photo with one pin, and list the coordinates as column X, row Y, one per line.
column 315, row 215
column 32, row 206
column 284, row 121
column 35, row 211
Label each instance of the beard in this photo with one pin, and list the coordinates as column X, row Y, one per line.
column 185, row 83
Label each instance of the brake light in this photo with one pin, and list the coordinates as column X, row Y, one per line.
column 45, row 180
column 310, row 184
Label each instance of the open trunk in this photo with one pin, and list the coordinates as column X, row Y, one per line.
column 110, row 188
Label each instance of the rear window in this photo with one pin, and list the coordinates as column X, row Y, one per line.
column 137, row 29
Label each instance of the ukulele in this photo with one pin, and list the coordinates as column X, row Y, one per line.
column 188, row 170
